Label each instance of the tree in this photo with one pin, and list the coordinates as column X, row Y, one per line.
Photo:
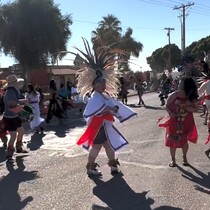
column 129, row 45
column 110, row 22
column 158, row 61
column 109, row 33
column 198, row 48
column 33, row 31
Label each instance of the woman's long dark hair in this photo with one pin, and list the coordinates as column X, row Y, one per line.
column 190, row 89
column 52, row 85
column 31, row 89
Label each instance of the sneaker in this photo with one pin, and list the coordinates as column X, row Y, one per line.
column 21, row 150
column 10, row 152
column 92, row 170
column 114, row 165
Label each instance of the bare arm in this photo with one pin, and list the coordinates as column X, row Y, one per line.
column 171, row 98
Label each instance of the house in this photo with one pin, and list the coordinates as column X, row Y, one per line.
column 63, row 74
column 42, row 76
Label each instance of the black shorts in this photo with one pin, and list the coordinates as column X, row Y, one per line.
column 12, row 124
column 101, row 136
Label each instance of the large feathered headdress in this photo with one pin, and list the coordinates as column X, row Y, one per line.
column 95, row 64
column 205, row 72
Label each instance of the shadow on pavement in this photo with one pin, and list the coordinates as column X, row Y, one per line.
column 2, row 154
column 167, row 208
column 202, row 180
column 36, row 141
column 9, row 185
column 133, row 105
column 154, row 107
column 118, row 195
column 146, row 107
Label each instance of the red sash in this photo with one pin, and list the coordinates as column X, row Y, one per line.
column 93, row 128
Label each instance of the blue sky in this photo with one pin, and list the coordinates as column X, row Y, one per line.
column 147, row 18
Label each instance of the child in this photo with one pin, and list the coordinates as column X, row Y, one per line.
column 181, row 128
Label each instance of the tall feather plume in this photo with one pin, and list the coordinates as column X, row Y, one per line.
column 102, row 60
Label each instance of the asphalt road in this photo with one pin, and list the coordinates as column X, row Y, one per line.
column 53, row 176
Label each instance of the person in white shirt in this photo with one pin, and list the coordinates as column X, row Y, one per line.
column 33, row 98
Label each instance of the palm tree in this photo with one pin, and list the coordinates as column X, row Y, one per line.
column 109, row 33
column 132, row 47
column 98, row 37
column 110, row 22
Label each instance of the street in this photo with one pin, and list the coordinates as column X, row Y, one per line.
column 52, row 176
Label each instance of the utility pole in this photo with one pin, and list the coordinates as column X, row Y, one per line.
column 169, row 47
column 183, row 8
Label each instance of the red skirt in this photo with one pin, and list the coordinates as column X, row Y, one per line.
column 179, row 130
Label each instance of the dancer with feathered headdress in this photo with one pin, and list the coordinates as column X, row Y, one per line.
column 97, row 76
column 204, row 92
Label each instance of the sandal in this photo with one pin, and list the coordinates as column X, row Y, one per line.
column 172, row 163
column 184, row 161
column 207, row 153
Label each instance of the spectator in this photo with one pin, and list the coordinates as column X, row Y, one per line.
column 123, row 93
column 54, row 107
column 140, row 91
column 13, row 123
column 33, row 98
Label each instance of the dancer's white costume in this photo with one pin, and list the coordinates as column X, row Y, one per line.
column 95, row 106
column 34, row 102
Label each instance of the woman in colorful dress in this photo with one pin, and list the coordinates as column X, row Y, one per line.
column 33, row 98
column 180, row 126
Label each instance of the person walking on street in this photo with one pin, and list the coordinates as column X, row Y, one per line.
column 53, row 105
column 165, row 90
column 123, row 93
column 140, row 91
column 180, row 127
column 13, row 107
column 33, row 98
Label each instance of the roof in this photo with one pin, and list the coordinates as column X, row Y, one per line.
column 63, row 71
